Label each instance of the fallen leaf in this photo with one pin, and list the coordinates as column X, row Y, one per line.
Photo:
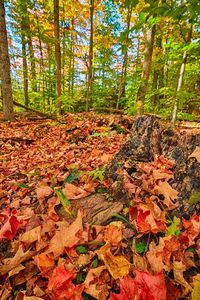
column 11, row 225
column 72, row 191
column 66, row 237
column 170, row 194
column 144, row 286
column 96, row 281
column 196, row 154
column 31, row 235
column 118, row 266
column 113, row 233
column 179, row 268
column 43, row 192
column 61, row 287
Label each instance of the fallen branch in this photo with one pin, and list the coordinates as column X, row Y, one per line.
column 38, row 112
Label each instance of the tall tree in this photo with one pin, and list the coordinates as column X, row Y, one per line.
column 25, row 66
column 28, row 34
column 5, row 68
column 150, row 34
column 57, row 54
column 122, row 84
column 90, row 58
column 180, row 77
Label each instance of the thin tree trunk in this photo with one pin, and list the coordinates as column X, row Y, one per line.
column 8, row 112
column 25, row 66
column 154, row 98
column 122, row 85
column 27, row 32
column 57, row 54
column 146, row 70
column 42, row 67
column 180, row 80
column 179, row 85
column 90, row 62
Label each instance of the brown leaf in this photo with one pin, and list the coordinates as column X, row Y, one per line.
column 72, row 191
column 94, row 283
column 196, row 154
column 113, row 233
column 19, row 257
column 31, row 235
column 67, row 237
column 168, row 192
column 179, row 268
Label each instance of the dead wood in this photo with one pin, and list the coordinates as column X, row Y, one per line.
column 38, row 112
column 98, row 210
column 149, row 138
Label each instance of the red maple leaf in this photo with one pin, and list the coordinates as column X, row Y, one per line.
column 61, row 287
column 10, row 225
column 143, row 287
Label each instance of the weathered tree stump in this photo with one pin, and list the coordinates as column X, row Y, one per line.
column 149, row 138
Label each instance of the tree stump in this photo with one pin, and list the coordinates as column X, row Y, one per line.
column 149, row 138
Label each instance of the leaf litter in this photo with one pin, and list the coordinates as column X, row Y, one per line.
column 145, row 253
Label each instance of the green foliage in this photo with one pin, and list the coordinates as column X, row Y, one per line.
column 81, row 249
column 173, row 228
column 140, row 247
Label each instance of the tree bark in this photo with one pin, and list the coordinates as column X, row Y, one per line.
column 146, row 70
column 90, row 62
column 57, row 54
column 8, row 112
column 180, row 80
column 25, row 66
column 122, row 85
column 26, row 23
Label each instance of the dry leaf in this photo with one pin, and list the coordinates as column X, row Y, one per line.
column 179, row 268
column 113, row 233
column 66, row 237
column 31, row 235
column 118, row 266
column 94, row 283
column 196, row 154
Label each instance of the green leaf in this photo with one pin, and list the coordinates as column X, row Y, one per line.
column 95, row 263
column 140, row 247
column 98, row 174
column 73, row 175
column 81, row 249
column 173, row 228
column 191, row 250
column 24, row 186
column 194, row 198
column 64, row 201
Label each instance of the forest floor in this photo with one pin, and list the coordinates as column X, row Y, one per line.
column 43, row 255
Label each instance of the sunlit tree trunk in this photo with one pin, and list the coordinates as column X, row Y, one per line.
column 25, row 66
column 122, row 85
column 90, row 60
column 57, row 54
column 24, row 14
column 180, row 79
column 42, row 67
column 145, row 70
column 5, row 68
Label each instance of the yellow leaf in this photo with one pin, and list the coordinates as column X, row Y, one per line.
column 118, row 266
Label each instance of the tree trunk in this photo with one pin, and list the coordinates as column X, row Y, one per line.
column 25, row 66
column 146, row 70
column 5, row 68
column 57, row 54
column 122, row 85
column 90, row 62
column 180, row 79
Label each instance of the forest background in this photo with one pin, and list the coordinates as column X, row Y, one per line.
column 135, row 55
